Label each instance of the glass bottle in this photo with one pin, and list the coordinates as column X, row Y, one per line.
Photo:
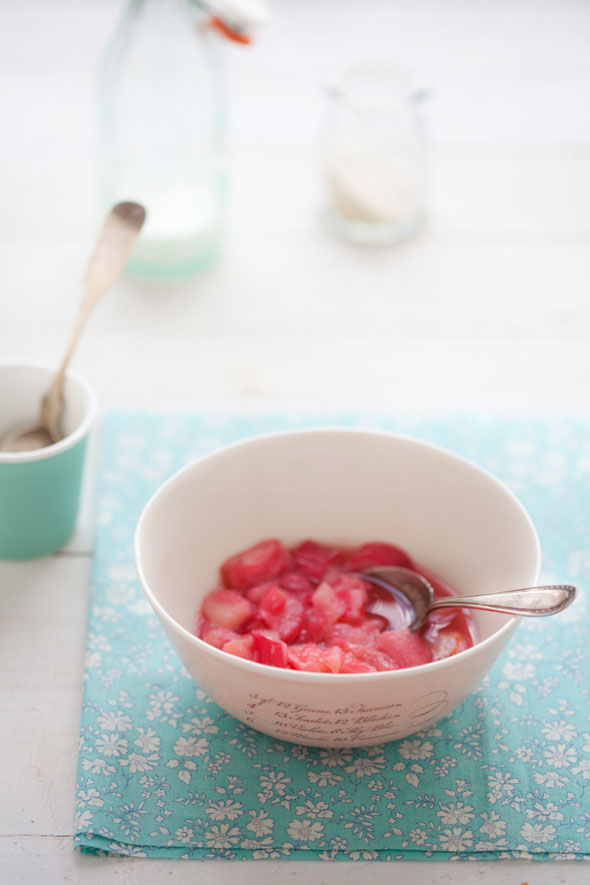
column 374, row 155
column 162, row 121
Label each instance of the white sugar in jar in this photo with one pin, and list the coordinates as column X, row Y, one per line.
column 374, row 155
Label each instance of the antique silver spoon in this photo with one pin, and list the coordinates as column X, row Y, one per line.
column 113, row 247
column 405, row 599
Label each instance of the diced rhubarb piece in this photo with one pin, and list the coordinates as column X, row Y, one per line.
column 291, row 621
column 373, row 656
column 263, row 562
column 268, row 648
column 372, row 625
column 201, row 624
column 228, row 608
column 405, row 648
column 353, row 593
column 256, row 593
column 218, row 636
column 351, row 664
column 325, row 611
column 254, row 623
column 326, row 602
column 296, row 582
column 334, row 656
column 313, row 558
column 282, row 612
column 273, row 601
column 241, row 647
column 377, row 554
column 292, row 624
column 346, row 636
column 333, row 573
column 315, row 627
column 310, row 657
column 448, row 643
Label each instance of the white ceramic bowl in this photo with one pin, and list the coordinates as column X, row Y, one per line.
column 342, row 486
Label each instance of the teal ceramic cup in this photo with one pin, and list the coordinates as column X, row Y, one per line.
column 40, row 490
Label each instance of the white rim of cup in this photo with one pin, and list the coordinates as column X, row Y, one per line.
column 302, row 675
column 72, row 438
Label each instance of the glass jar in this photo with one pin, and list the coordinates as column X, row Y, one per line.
column 374, row 155
column 162, row 127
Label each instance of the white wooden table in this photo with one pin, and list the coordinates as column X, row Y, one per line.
column 487, row 310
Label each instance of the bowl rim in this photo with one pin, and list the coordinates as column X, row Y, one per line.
column 254, row 667
column 69, row 441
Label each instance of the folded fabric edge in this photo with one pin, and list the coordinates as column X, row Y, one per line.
column 104, row 847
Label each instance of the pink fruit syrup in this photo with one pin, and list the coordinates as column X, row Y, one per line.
column 306, row 608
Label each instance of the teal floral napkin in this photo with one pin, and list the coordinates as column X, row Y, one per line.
column 164, row 772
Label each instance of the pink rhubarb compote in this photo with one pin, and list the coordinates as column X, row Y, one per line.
column 306, row 608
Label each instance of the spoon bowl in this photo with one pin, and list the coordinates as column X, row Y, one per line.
column 405, row 598
column 26, row 438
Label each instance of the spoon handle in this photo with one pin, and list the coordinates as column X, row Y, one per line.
column 113, row 247
column 533, row 602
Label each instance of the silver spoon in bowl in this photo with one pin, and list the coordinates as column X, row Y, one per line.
column 405, row 599
column 113, row 247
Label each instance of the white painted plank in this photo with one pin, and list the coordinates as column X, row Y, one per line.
column 43, row 606
column 508, row 73
column 39, row 752
column 429, row 327
column 399, row 374
column 425, row 377
column 29, row 861
column 324, row 287
column 520, row 195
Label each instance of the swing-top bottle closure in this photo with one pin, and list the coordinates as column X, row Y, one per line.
column 236, row 20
